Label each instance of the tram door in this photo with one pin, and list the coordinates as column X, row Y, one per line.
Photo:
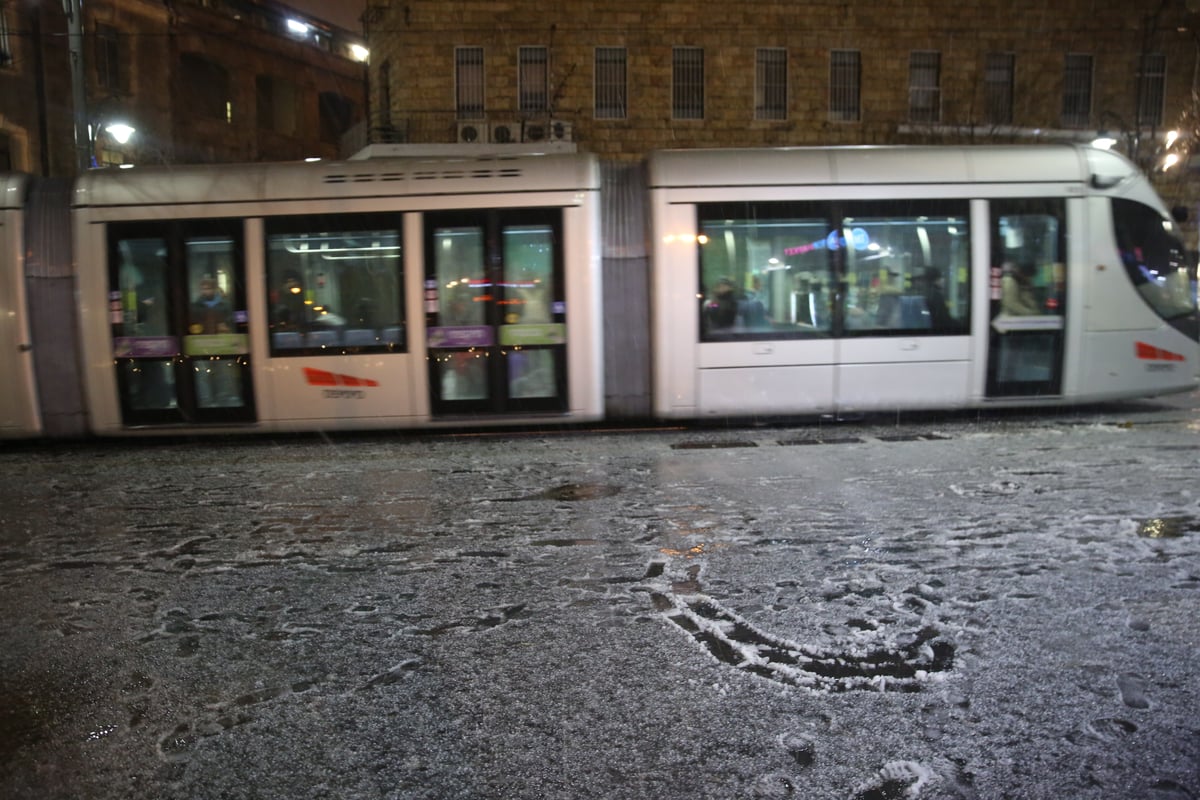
column 177, row 309
column 1028, row 294
column 495, row 313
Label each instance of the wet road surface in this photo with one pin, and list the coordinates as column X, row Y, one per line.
column 946, row 608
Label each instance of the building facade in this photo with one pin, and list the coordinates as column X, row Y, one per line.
column 623, row 77
column 197, row 81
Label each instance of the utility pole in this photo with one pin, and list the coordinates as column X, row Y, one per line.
column 83, row 141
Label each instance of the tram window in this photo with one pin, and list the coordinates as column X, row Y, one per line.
column 1153, row 258
column 907, row 267
column 142, row 331
column 795, row 270
column 1029, row 253
column 142, row 283
column 335, row 285
column 765, row 271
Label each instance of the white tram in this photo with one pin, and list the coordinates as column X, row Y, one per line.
column 411, row 293
column 869, row 278
column 368, row 294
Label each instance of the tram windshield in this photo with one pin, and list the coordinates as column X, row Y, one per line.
column 1154, row 259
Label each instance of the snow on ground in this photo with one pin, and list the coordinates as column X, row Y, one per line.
column 948, row 608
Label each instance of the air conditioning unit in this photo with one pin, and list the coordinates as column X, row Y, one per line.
column 505, row 133
column 472, row 132
column 535, row 130
column 559, row 131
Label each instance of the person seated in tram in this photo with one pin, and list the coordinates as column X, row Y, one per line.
column 1017, row 297
column 940, row 318
column 289, row 312
column 721, row 311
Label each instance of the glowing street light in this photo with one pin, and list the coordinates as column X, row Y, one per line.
column 120, row 132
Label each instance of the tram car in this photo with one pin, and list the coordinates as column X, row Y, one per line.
column 552, row 289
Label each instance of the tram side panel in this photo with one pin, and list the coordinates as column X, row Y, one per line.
column 19, row 416
column 585, row 309
column 333, row 296
column 673, row 316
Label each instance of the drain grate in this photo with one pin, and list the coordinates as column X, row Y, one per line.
column 716, row 445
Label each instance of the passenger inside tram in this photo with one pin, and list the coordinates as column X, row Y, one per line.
column 1018, row 297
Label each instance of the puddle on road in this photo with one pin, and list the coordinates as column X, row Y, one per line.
column 1168, row 527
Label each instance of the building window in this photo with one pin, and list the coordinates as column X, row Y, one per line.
column 845, row 78
column 468, row 82
column 1152, row 78
column 107, row 56
column 687, row 83
column 206, row 87
column 610, row 85
column 1077, row 91
column 533, row 80
column 998, row 88
column 6, row 53
column 336, row 112
column 924, row 86
column 770, row 83
column 276, row 104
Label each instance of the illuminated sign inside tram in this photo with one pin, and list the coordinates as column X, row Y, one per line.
column 859, row 240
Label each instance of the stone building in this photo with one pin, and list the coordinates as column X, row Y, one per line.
column 622, row 77
column 199, row 81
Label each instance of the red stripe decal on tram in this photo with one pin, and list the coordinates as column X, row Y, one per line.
column 320, row 377
column 1148, row 352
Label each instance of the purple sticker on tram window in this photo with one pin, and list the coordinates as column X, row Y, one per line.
column 462, row 336
column 145, row 346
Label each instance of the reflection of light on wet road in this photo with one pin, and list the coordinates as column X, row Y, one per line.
column 1168, row 527
column 691, row 552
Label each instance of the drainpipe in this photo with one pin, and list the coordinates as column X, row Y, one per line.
column 83, row 144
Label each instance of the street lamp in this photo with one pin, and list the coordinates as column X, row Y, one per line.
column 118, row 130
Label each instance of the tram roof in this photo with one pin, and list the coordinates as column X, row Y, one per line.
column 282, row 181
column 886, row 164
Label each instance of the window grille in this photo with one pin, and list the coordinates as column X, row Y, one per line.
column 533, row 80
column 468, row 82
column 845, row 77
column 770, row 83
column 1077, row 91
column 610, row 85
column 687, row 83
column 998, row 88
column 1152, row 78
column 924, row 86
